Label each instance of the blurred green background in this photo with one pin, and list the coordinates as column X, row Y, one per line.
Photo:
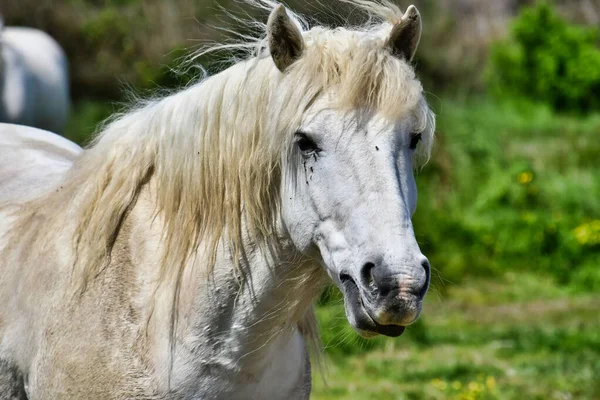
column 509, row 206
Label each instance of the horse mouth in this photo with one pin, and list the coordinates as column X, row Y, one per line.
column 359, row 317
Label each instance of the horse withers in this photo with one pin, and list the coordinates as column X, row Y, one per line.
column 178, row 256
column 34, row 81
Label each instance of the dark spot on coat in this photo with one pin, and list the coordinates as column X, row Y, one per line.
column 376, row 148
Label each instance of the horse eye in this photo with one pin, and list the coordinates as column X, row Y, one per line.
column 305, row 144
column 415, row 138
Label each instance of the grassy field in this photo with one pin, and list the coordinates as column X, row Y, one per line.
column 515, row 337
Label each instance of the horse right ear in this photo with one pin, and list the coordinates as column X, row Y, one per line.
column 405, row 35
column 284, row 37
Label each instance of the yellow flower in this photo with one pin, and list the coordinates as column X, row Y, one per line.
column 439, row 384
column 474, row 386
column 456, row 385
column 588, row 234
column 525, row 177
column 582, row 234
column 490, row 382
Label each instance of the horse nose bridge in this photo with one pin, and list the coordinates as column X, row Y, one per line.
column 382, row 227
column 392, row 242
column 387, row 238
column 382, row 197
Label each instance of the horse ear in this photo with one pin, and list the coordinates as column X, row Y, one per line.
column 284, row 37
column 405, row 35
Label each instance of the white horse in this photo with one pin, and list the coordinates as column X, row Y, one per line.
column 34, row 81
column 179, row 256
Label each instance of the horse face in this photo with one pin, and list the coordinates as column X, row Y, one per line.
column 348, row 199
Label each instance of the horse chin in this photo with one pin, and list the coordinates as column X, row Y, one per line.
column 359, row 317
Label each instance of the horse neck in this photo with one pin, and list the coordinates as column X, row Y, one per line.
column 266, row 295
column 230, row 316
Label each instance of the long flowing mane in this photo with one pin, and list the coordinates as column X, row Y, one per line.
column 214, row 150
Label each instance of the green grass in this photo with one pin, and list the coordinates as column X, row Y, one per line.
column 516, row 337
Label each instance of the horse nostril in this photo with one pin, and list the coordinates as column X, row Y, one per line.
column 366, row 274
column 344, row 277
column 427, row 268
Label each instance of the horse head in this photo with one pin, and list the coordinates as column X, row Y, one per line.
column 349, row 192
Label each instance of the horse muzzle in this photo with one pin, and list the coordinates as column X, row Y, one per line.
column 384, row 305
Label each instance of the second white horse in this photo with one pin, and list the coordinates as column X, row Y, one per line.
column 34, row 82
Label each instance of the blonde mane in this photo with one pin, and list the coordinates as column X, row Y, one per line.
column 214, row 150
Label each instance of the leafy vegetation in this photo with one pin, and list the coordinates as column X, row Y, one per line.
column 512, row 185
column 549, row 60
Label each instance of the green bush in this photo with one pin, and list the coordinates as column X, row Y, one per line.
column 512, row 186
column 549, row 60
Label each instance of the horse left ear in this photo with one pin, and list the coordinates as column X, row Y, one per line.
column 284, row 37
column 405, row 35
